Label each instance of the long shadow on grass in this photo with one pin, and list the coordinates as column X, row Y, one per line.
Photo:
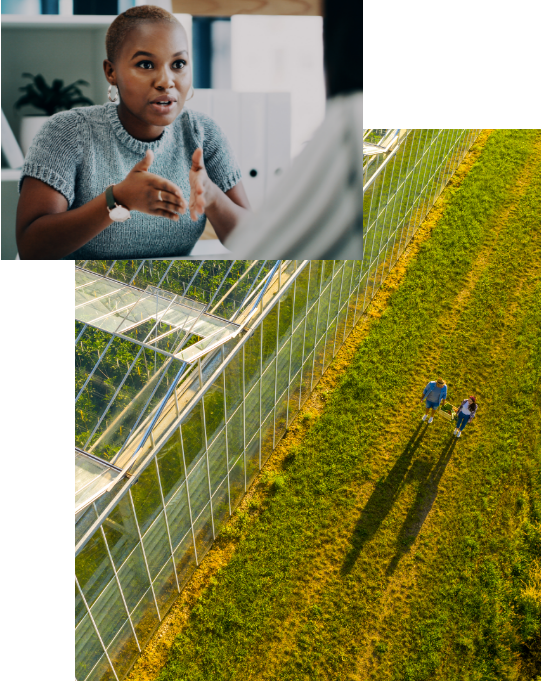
column 426, row 496
column 382, row 500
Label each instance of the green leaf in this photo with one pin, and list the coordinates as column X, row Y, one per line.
column 73, row 86
column 28, row 99
column 41, row 85
column 52, row 99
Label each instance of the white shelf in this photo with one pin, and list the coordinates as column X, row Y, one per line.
column 209, row 249
column 10, row 174
column 83, row 21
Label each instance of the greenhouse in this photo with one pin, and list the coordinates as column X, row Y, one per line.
column 187, row 375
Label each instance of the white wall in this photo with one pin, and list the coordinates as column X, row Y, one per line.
column 282, row 54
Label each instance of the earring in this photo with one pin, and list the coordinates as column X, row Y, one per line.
column 193, row 93
column 111, row 99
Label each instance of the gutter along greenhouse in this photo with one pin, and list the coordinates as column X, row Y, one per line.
column 188, row 374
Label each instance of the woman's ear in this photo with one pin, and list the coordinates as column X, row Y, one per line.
column 109, row 70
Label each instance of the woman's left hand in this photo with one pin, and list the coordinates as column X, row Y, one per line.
column 201, row 186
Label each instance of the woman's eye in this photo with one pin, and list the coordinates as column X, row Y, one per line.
column 179, row 64
column 178, row 61
column 145, row 64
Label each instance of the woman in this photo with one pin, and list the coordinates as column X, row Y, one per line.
column 466, row 412
column 435, row 394
column 113, row 181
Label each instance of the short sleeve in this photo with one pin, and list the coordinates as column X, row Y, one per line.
column 220, row 161
column 55, row 153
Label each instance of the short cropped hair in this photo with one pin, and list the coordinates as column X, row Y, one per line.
column 128, row 20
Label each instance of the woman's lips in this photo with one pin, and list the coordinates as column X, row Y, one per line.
column 162, row 108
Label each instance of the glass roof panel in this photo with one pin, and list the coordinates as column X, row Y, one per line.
column 94, row 290
column 116, row 308
column 92, row 477
column 97, row 308
column 203, row 346
column 83, row 277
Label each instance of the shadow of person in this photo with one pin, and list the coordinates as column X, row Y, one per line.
column 426, row 496
column 381, row 501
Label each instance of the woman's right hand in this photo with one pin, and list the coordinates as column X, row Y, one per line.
column 141, row 190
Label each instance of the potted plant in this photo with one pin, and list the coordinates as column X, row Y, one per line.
column 50, row 99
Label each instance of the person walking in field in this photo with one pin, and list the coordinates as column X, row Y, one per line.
column 466, row 412
column 434, row 394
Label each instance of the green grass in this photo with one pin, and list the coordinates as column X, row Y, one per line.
column 305, row 595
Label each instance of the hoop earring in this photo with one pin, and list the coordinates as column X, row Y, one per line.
column 109, row 94
column 191, row 96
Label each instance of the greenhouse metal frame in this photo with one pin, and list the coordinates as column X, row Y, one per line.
column 204, row 428
column 307, row 310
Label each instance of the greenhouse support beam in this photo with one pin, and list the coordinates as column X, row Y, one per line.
column 234, row 285
column 260, row 298
column 113, row 398
column 203, row 311
column 156, row 417
column 93, row 457
column 91, row 617
column 163, row 371
column 100, row 357
column 133, row 340
column 185, row 412
column 249, row 292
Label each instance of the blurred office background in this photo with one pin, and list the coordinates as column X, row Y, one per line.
column 245, row 53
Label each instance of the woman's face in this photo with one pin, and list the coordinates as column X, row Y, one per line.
column 152, row 66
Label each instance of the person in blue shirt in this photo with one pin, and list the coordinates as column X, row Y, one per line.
column 434, row 394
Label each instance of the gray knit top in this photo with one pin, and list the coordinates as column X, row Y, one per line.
column 82, row 151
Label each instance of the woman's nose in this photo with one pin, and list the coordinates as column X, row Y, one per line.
column 164, row 78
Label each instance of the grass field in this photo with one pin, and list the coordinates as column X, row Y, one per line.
column 384, row 548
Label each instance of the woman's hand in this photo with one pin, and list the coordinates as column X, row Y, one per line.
column 148, row 193
column 202, row 188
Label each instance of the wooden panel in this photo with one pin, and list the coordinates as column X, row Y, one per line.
column 225, row 8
